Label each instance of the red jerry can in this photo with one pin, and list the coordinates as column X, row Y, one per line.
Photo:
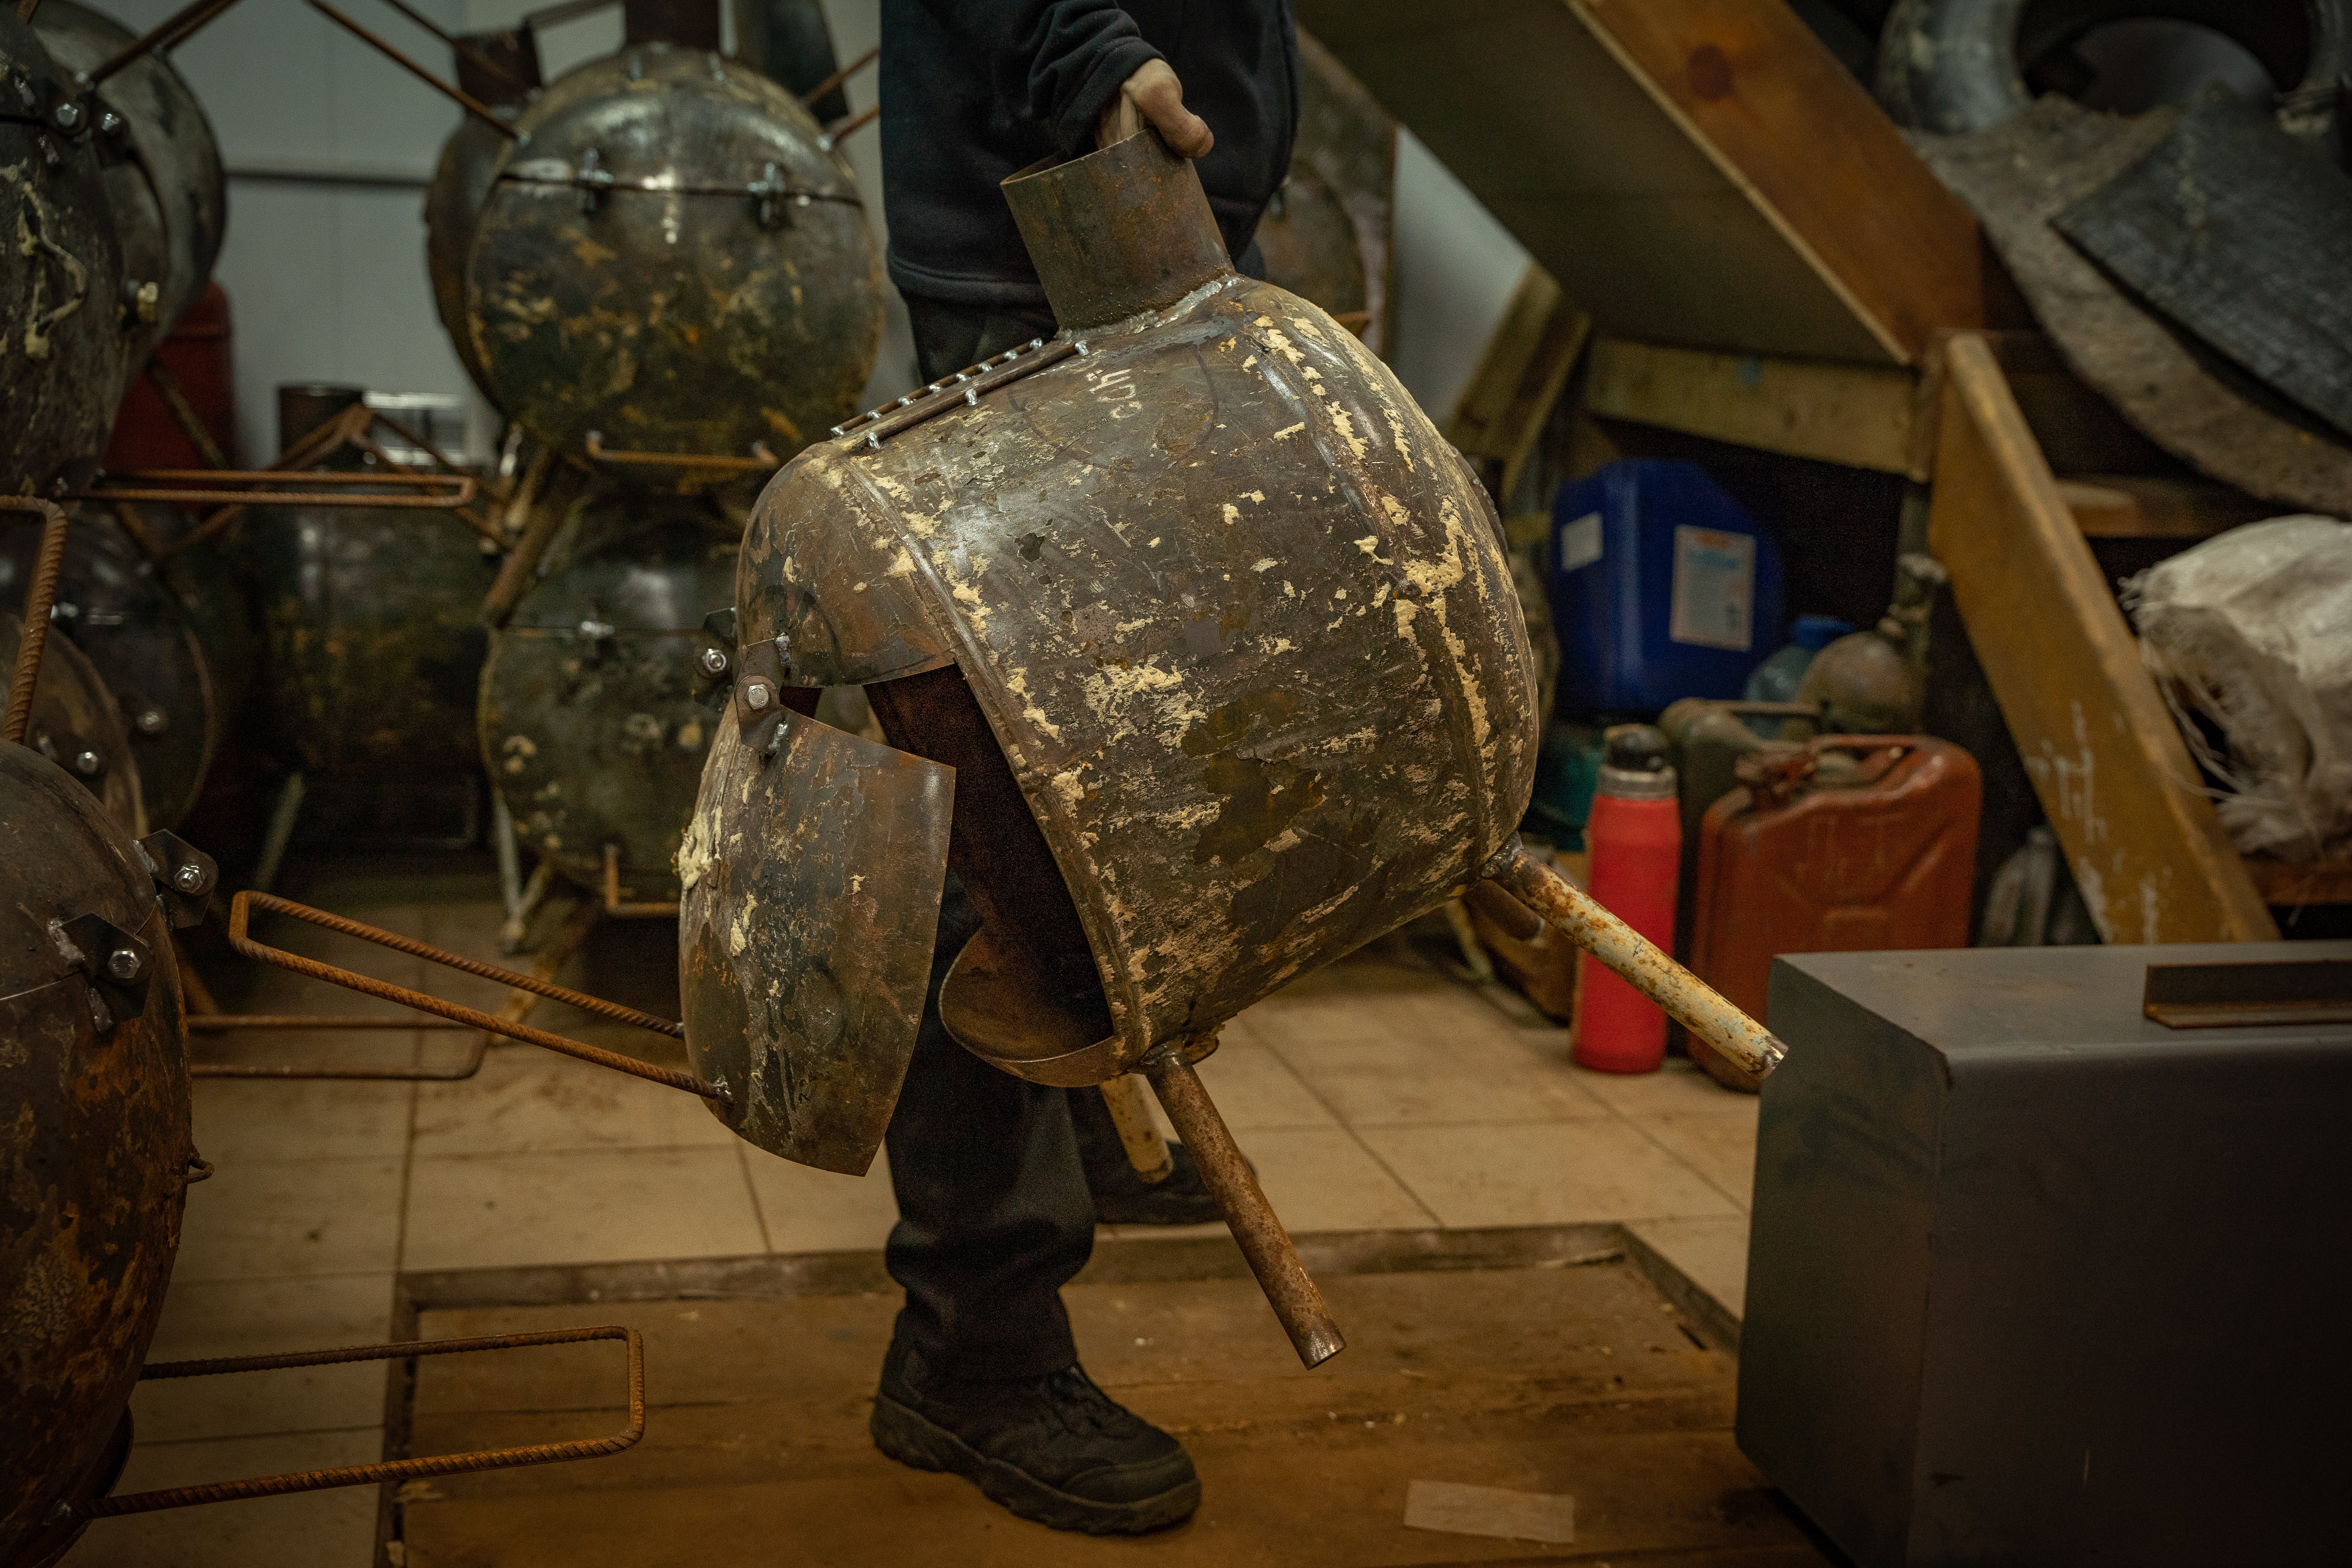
column 1844, row 843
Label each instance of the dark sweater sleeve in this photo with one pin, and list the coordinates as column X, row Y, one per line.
column 1070, row 56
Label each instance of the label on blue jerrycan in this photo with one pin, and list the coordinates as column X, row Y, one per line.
column 1662, row 588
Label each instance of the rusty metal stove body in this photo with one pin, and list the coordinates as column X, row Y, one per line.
column 1198, row 655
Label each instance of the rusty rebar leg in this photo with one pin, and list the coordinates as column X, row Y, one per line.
column 1688, row 1000
column 1138, row 1133
column 46, row 566
column 1267, row 1247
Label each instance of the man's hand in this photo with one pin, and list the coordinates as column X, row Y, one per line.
column 1154, row 94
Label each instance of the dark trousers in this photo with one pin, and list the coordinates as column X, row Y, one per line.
column 994, row 1215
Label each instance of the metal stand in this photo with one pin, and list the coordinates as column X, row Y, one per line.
column 1263, row 1242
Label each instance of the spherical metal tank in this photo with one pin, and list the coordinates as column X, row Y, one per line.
column 94, row 1091
column 461, row 183
column 164, row 175
column 462, row 179
column 374, row 641
column 589, row 722
column 120, row 612
column 77, row 723
column 61, row 347
column 674, row 262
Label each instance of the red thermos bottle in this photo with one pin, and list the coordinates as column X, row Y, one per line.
column 1636, row 840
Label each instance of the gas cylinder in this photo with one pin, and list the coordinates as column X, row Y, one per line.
column 115, row 608
column 94, row 1076
column 61, row 273
column 371, row 617
column 76, row 724
column 164, row 182
column 1846, row 844
column 591, row 725
column 675, row 262
column 1635, row 837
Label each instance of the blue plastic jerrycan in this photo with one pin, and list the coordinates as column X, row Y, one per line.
column 1662, row 588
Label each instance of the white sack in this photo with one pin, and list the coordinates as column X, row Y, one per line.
column 2252, row 630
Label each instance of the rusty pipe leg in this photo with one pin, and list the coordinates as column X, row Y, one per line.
column 1138, row 1133
column 1267, row 1247
column 1688, row 1000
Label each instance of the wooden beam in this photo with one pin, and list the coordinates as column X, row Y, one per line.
column 1697, row 171
column 2136, row 506
column 2287, row 884
column 1861, row 415
column 2148, row 850
column 1813, row 150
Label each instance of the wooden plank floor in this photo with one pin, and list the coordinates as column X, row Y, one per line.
column 1580, row 1380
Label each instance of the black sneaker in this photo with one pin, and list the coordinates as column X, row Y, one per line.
column 1122, row 1197
column 1055, row 1449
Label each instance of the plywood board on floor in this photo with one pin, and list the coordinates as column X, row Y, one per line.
column 1578, row 1381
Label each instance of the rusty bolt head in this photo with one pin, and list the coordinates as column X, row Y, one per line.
column 87, row 762
column 123, row 965
column 714, row 661
column 150, row 720
column 190, row 878
column 756, row 694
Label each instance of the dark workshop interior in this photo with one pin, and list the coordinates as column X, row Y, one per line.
column 1268, row 783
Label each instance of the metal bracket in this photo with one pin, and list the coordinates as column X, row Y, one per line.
column 767, row 194
column 760, row 691
column 594, row 179
column 714, row 666
column 185, row 875
column 964, row 388
column 119, row 966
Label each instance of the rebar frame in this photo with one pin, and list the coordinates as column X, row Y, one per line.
column 387, row 1470
column 37, row 600
column 240, row 913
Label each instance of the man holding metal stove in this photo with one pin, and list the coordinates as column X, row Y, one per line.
column 994, row 1174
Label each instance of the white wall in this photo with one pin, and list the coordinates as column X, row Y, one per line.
column 327, row 282
column 1456, row 267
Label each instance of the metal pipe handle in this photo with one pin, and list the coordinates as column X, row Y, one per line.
column 1267, row 1247
column 1688, row 1000
column 390, row 1469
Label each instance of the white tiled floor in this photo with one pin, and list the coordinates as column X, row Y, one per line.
column 1376, row 1094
